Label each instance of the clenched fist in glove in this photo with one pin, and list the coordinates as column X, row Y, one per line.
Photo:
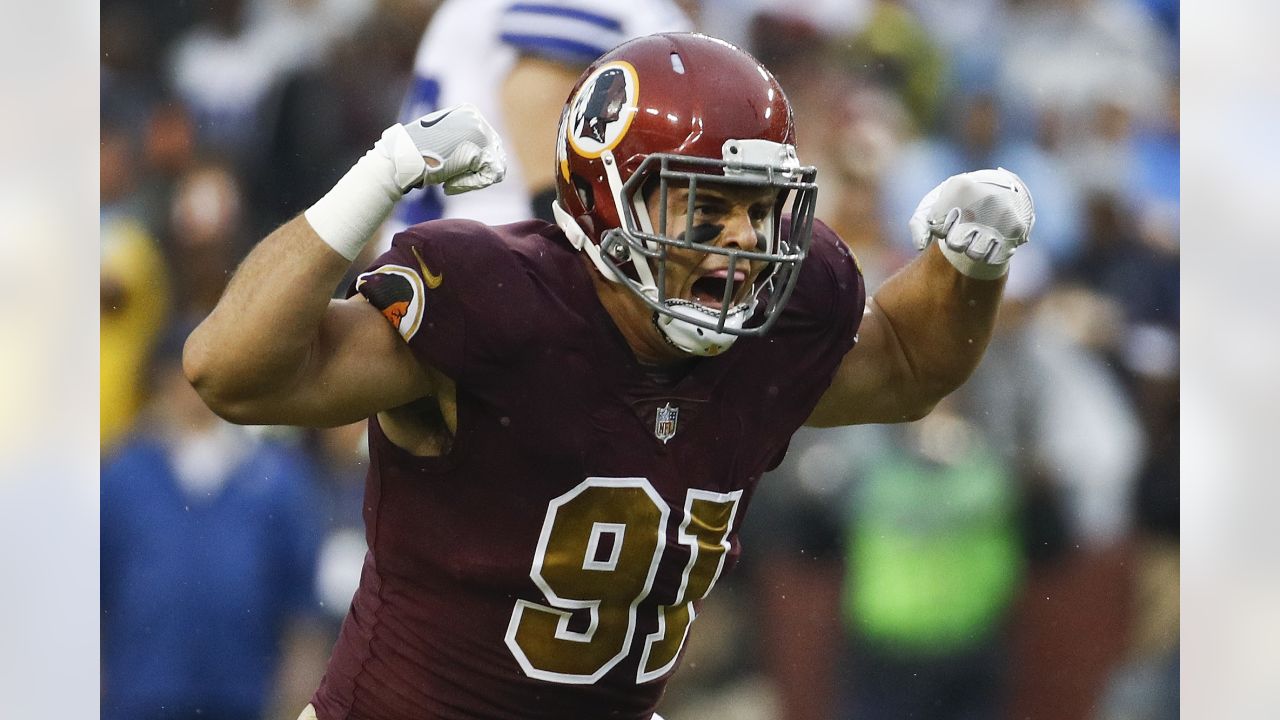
column 980, row 218
column 454, row 147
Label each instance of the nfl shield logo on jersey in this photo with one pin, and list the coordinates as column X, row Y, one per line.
column 664, row 427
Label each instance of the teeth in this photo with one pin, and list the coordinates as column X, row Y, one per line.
column 738, row 275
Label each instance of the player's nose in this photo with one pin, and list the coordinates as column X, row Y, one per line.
column 740, row 232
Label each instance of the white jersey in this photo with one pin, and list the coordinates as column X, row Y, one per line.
column 469, row 48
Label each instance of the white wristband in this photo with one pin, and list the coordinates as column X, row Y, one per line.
column 349, row 214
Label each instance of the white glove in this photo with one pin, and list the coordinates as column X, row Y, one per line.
column 982, row 217
column 455, row 146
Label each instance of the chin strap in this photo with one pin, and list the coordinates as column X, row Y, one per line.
column 689, row 337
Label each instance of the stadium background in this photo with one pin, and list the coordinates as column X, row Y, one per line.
column 1077, row 404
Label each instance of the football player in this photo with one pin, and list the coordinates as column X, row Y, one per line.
column 568, row 420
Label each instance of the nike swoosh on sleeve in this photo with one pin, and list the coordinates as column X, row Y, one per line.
column 431, row 279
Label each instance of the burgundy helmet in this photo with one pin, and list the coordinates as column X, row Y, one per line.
column 672, row 111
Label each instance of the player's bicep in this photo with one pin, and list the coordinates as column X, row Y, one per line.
column 873, row 382
column 359, row 365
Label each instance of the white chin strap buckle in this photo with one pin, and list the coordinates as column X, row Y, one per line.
column 696, row 340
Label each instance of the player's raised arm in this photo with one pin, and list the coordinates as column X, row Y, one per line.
column 276, row 349
column 927, row 327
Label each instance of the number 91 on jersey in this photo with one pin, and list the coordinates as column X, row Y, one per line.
column 599, row 552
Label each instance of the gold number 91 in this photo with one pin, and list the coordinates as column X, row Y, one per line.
column 600, row 548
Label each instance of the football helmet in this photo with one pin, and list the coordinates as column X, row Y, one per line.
column 679, row 111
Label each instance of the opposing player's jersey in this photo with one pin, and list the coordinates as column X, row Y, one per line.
column 465, row 56
column 551, row 564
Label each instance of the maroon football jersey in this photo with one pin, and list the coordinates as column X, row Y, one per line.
column 550, row 565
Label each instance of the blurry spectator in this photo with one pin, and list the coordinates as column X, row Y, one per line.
column 1137, row 165
column 207, row 236
column 135, row 39
column 227, row 65
column 134, row 302
column 223, row 68
column 119, row 171
column 169, row 151
column 209, row 539
column 934, row 560
column 133, row 287
column 896, row 52
column 128, row 86
column 1140, row 277
column 768, row 28
column 161, row 149
column 793, row 556
column 516, row 62
column 1136, row 261
column 230, row 67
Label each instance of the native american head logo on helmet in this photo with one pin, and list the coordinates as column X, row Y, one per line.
column 668, row 114
column 602, row 104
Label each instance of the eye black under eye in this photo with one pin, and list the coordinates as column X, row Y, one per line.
column 702, row 234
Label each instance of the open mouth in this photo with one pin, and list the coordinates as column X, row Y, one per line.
column 710, row 288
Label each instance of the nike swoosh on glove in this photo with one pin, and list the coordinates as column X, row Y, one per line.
column 454, row 146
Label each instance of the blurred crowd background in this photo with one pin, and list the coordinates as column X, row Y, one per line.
column 1013, row 555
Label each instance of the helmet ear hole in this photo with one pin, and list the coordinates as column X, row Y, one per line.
column 585, row 195
column 650, row 186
